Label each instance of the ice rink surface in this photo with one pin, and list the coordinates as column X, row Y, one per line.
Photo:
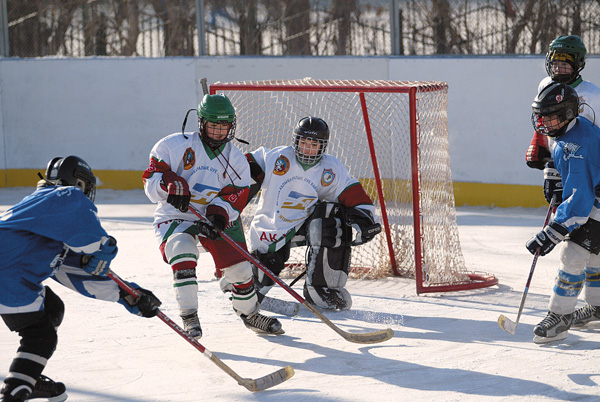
column 447, row 346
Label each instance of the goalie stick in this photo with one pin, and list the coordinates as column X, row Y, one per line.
column 503, row 321
column 254, row 385
column 364, row 338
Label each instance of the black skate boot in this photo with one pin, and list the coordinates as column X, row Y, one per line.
column 262, row 324
column 585, row 315
column 191, row 325
column 12, row 393
column 553, row 328
column 49, row 390
column 45, row 389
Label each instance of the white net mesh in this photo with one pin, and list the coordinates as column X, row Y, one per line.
column 267, row 111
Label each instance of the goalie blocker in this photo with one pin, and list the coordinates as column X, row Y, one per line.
column 328, row 235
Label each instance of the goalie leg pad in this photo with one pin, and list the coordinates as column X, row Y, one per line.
column 243, row 295
column 328, row 259
column 181, row 252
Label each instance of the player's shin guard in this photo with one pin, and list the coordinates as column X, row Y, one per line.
column 328, row 261
column 38, row 343
column 181, row 252
column 243, row 295
column 186, row 287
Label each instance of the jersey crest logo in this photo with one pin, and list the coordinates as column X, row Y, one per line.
column 189, row 159
column 570, row 149
column 282, row 166
column 327, row 177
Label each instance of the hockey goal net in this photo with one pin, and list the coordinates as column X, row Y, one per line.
column 393, row 137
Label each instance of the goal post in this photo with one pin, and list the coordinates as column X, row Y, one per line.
column 393, row 137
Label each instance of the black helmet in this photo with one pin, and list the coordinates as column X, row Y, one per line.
column 312, row 128
column 72, row 171
column 555, row 99
column 569, row 49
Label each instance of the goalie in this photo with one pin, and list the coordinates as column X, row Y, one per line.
column 308, row 198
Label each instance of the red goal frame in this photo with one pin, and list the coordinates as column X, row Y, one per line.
column 412, row 89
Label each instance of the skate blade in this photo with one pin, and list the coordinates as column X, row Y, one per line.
column 542, row 339
column 260, row 331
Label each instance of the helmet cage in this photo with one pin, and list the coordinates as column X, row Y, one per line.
column 307, row 158
column 211, row 141
column 72, row 171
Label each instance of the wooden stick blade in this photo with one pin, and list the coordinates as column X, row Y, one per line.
column 268, row 381
column 368, row 337
column 507, row 325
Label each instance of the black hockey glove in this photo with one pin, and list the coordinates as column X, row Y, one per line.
column 178, row 191
column 364, row 224
column 211, row 230
column 547, row 239
column 145, row 306
column 553, row 186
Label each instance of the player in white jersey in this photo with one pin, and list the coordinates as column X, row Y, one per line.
column 204, row 168
column 308, row 197
column 564, row 62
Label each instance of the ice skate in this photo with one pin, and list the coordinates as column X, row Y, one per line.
column 553, row 328
column 262, row 324
column 585, row 315
column 191, row 325
column 45, row 389
column 48, row 390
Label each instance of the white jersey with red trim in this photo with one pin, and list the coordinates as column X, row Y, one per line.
column 220, row 177
column 290, row 192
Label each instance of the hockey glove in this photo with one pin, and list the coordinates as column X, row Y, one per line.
column 178, row 192
column 537, row 153
column 99, row 263
column 553, row 187
column 547, row 239
column 364, row 224
column 144, row 306
column 217, row 222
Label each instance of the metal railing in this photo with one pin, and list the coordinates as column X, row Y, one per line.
column 158, row 28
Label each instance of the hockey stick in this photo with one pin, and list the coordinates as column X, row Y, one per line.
column 503, row 321
column 370, row 337
column 254, row 385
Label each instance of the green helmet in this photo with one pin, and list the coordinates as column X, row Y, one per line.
column 569, row 49
column 216, row 109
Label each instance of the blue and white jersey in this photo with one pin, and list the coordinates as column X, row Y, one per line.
column 36, row 235
column 576, row 156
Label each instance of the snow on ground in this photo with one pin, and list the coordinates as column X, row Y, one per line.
column 447, row 347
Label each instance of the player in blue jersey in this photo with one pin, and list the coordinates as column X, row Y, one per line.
column 577, row 217
column 54, row 233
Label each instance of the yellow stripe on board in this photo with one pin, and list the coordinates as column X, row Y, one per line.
column 475, row 194
column 113, row 179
